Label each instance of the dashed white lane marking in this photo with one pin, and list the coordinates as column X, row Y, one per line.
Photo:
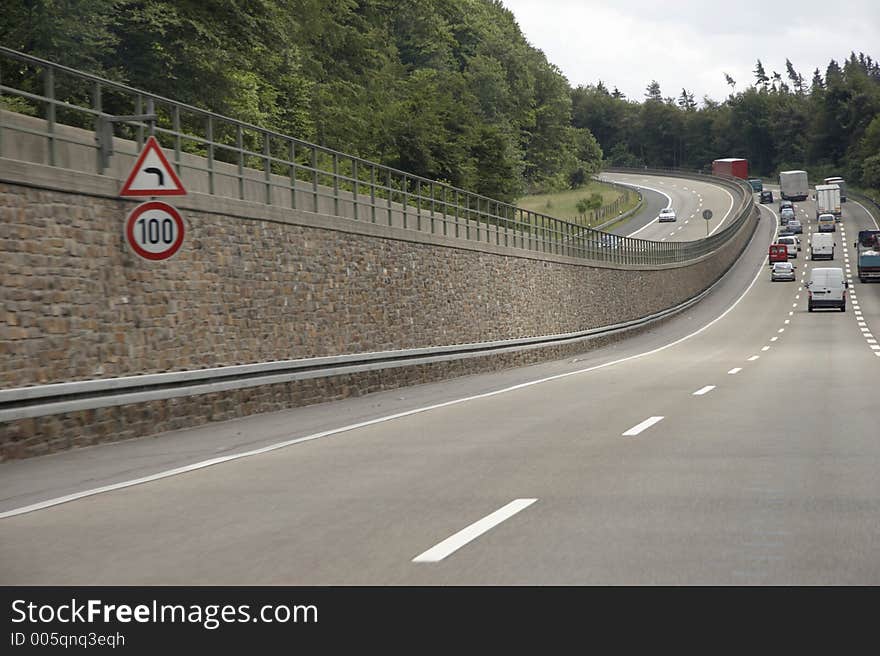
column 791, row 314
column 781, row 330
column 638, row 428
column 787, row 321
column 874, row 347
column 704, row 390
column 735, row 371
column 455, row 542
column 765, row 348
column 773, row 339
column 753, row 358
column 871, row 341
column 862, row 323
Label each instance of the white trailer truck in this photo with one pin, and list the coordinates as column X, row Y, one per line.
column 793, row 185
column 828, row 200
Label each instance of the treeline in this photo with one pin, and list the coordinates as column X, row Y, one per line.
column 446, row 89
column 829, row 125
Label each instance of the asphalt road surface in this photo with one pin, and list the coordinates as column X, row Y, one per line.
column 737, row 444
column 687, row 197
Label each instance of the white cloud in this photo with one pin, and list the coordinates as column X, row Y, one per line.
column 691, row 44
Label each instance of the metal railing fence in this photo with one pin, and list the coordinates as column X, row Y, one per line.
column 236, row 159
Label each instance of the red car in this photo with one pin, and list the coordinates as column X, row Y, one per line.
column 778, row 253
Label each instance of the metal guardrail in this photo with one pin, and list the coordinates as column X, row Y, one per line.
column 310, row 177
column 26, row 402
column 872, row 205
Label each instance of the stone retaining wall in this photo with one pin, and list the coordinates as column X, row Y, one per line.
column 254, row 283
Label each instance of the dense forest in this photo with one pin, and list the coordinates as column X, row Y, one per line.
column 830, row 126
column 448, row 89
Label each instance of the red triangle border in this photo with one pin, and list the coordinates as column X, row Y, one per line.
column 152, row 144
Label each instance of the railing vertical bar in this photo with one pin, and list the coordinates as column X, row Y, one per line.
column 293, row 174
column 209, row 133
column 355, row 190
column 49, row 92
column 98, row 107
column 239, row 143
column 267, row 166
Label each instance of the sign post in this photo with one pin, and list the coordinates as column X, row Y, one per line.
column 707, row 214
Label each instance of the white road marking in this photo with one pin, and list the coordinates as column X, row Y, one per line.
column 704, row 390
column 787, row 321
column 735, row 371
column 773, row 339
column 862, row 323
column 781, row 330
column 754, row 357
column 765, row 348
column 638, row 428
column 874, row 347
column 455, row 542
column 871, row 341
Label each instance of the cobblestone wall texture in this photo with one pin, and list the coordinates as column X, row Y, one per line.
column 77, row 304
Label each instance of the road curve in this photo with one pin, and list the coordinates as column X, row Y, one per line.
column 689, row 198
column 735, row 444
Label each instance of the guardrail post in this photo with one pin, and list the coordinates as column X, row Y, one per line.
column 315, row 177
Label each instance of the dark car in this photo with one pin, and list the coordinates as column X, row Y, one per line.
column 766, row 196
column 785, row 203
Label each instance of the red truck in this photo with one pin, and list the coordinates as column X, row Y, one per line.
column 733, row 166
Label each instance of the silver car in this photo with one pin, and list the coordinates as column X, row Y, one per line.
column 782, row 271
column 795, row 227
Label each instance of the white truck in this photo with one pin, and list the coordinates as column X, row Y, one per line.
column 793, row 185
column 828, row 200
column 840, row 182
column 822, row 246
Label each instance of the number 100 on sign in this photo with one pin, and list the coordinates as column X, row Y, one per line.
column 154, row 230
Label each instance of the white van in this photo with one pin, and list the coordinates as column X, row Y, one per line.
column 793, row 244
column 822, row 246
column 827, row 288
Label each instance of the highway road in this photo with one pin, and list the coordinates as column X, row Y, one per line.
column 687, row 197
column 736, row 444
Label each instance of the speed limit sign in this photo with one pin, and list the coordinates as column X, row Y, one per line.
column 154, row 230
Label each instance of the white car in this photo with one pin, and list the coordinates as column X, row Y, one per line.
column 793, row 244
column 782, row 271
column 667, row 214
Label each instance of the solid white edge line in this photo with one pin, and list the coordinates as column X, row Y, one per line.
column 638, row 428
column 343, row 429
column 455, row 542
column 654, row 220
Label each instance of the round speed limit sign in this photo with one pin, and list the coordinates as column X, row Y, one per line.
column 154, row 230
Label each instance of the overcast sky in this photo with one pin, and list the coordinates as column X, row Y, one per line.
column 690, row 43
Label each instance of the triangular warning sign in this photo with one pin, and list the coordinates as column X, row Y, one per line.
column 152, row 175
